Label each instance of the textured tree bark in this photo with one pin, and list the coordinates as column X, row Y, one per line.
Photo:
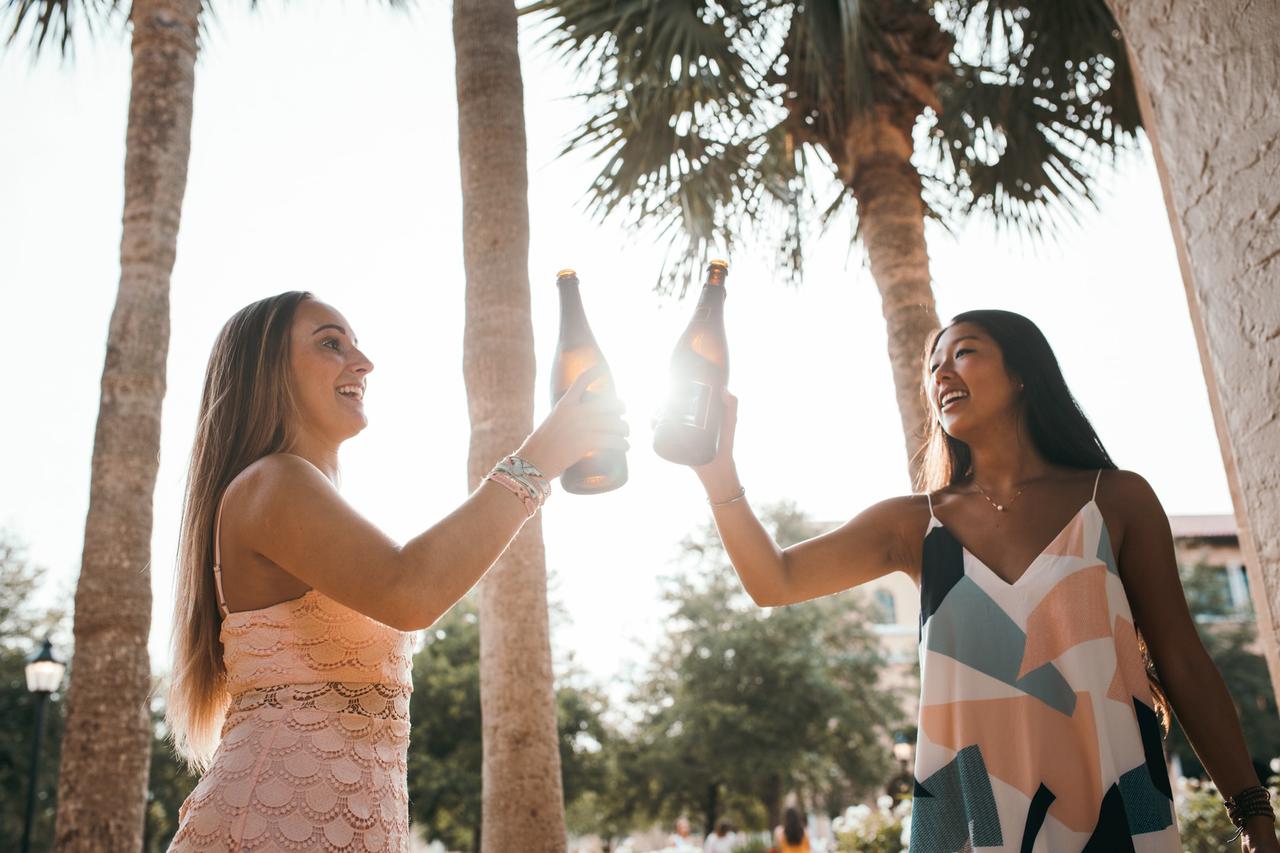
column 523, row 802
column 1208, row 73
column 891, row 220
column 102, row 781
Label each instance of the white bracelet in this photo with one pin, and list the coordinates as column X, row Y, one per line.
column 739, row 496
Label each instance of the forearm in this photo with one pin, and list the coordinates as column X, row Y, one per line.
column 1205, row 711
column 441, row 564
column 759, row 562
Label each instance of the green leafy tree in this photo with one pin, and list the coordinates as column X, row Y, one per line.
column 1231, row 645
column 719, row 123
column 741, row 705
column 168, row 784
column 445, row 746
column 1230, row 636
column 22, row 626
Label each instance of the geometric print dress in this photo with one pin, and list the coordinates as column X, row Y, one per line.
column 1037, row 732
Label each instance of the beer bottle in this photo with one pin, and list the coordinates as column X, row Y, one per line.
column 576, row 352
column 688, row 430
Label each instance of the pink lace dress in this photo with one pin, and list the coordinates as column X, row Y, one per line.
column 313, row 750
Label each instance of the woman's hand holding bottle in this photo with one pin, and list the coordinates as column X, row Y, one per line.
column 720, row 476
column 575, row 427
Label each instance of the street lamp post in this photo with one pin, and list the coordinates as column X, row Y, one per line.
column 44, row 674
column 902, row 784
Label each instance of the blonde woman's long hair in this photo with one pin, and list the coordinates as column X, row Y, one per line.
column 246, row 413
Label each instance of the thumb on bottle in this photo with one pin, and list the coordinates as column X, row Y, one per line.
column 584, row 381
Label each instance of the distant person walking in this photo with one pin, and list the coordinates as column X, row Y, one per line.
column 791, row 837
column 722, row 839
column 292, row 649
column 682, row 838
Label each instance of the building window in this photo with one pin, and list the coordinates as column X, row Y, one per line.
column 886, row 611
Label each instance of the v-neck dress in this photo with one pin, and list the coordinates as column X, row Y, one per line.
column 1037, row 730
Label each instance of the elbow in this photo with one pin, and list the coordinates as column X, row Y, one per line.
column 765, row 597
column 403, row 605
column 407, row 619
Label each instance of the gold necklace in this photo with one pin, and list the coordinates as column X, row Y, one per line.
column 999, row 507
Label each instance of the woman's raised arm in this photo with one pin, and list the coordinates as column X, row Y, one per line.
column 883, row 538
column 290, row 513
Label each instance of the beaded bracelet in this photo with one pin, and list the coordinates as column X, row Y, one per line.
column 1254, row 801
column 524, row 480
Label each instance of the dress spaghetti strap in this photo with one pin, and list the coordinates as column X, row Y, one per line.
column 1094, row 499
column 217, row 559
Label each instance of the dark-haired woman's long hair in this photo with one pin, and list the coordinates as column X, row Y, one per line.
column 1054, row 420
column 793, row 826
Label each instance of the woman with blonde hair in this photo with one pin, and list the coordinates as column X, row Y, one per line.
column 291, row 632
column 1048, row 585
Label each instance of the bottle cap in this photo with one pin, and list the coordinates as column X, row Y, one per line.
column 717, row 262
column 566, row 273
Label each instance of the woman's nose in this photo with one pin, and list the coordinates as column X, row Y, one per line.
column 363, row 365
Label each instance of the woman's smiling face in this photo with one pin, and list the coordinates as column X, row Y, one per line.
column 969, row 385
column 329, row 373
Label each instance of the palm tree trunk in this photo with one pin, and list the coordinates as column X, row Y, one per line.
column 891, row 221
column 523, row 803
column 102, row 782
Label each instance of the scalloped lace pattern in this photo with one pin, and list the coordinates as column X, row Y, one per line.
column 313, row 751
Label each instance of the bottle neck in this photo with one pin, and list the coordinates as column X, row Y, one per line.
column 713, row 294
column 573, row 317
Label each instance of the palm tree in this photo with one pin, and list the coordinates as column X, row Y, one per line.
column 523, row 805
column 102, row 781
column 733, row 120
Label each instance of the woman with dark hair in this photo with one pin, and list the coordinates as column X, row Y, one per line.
column 292, row 649
column 1049, row 598
column 793, row 838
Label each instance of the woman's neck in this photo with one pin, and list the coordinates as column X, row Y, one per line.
column 1004, row 460
column 320, row 453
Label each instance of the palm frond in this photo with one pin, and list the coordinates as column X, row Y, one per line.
column 718, row 121
column 48, row 22
column 684, row 119
column 1041, row 102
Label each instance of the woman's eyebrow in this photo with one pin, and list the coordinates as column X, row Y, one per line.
column 320, row 329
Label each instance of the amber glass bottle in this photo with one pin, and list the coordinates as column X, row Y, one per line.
column 576, row 353
column 688, row 430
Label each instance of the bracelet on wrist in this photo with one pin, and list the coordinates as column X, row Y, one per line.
column 522, row 479
column 1254, row 801
column 741, row 495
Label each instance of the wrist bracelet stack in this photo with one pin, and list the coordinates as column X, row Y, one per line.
column 1254, row 801
column 522, row 479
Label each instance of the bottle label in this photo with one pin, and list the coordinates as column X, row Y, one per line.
column 689, row 404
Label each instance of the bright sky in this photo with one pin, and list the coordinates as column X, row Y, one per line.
column 325, row 157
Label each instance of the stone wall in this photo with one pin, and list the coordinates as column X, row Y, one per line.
column 1210, row 84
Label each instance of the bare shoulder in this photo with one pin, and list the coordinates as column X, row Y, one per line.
column 1128, row 494
column 1131, row 508
column 275, row 479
